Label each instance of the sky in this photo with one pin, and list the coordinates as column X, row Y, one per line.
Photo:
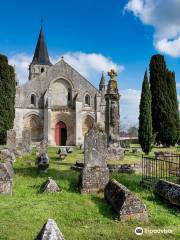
column 95, row 36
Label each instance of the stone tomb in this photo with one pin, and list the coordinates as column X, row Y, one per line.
column 50, row 231
column 95, row 174
column 168, row 191
column 6, row 178
column 125, row 203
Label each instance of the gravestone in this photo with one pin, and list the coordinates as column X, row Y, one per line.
column 62, row 153
column 168, row 191
column 7, row 156
column 11, row 140
column 50, row 186
column 6, row 178
column 50, row 231
column 42, row 147
column 125, row 203
column 26, row 140
column 95, row 174
column 43, row 162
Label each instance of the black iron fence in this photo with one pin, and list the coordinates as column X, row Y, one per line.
column 165, row 167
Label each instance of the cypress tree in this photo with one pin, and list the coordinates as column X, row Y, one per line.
column 171, row 133
column 158, row 87
column 7, row 97
column 145, row 117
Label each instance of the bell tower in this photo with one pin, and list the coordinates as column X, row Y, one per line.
column 40, row 62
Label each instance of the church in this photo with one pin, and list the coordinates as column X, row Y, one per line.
column 57, row 103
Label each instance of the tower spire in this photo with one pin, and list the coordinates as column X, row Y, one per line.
column 41, row 55
column 102, row 84
column 41, row 61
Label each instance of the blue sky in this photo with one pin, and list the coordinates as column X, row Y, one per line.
column 120, row 32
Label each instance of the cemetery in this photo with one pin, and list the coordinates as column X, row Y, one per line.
column 86, row 154
column 54, row 198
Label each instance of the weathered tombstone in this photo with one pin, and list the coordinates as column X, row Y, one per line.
column 95, row 174
column 43, row 162
column 168, row 191
column 7, row 156
column 6, row 178
column 11, row 140
column 50, row 231
column 43, row 147
column 26, row 140
column 50, row 186
column 62, row 153
column 124, row 202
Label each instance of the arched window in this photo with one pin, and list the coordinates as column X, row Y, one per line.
column 87, row 99
column 42, row 70
column 33, row 99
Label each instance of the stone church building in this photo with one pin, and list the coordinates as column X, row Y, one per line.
column 57, row 102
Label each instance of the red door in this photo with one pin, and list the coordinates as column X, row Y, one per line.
column 60, row 134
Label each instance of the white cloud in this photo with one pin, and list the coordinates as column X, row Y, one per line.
column 129, row 106
column 89, row 65
column 178, row 84
column 21, row 62
column 164, row 17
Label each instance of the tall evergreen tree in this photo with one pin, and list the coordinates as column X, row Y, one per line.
column 165, row 113
column 171, row 133
column 7, row 97
column 158, row 87
column 145, row 117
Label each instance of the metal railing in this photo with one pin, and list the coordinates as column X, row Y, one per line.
column 165, row 167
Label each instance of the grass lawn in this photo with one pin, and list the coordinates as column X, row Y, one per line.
column 78, row 216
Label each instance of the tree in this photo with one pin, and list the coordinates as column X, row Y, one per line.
column 171, row 131
column 158, row 89
column 145, row 117
column 7, row 97
column 165, row 113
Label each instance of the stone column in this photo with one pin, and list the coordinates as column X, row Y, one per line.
column 79, row 137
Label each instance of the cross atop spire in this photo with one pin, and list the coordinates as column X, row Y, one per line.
column 41, row 56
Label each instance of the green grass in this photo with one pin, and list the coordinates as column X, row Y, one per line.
column 85, row 217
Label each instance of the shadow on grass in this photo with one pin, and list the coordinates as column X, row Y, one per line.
column 69, row 176
column 104, row 207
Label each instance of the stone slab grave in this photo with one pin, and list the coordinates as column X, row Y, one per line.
column 50, row 231
column 95, row 174
column 125, row 203
column 6, row 178
column 168, row 191
column 50, row 186
column 26, row 140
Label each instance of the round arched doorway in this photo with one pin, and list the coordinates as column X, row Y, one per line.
column 60, row 134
